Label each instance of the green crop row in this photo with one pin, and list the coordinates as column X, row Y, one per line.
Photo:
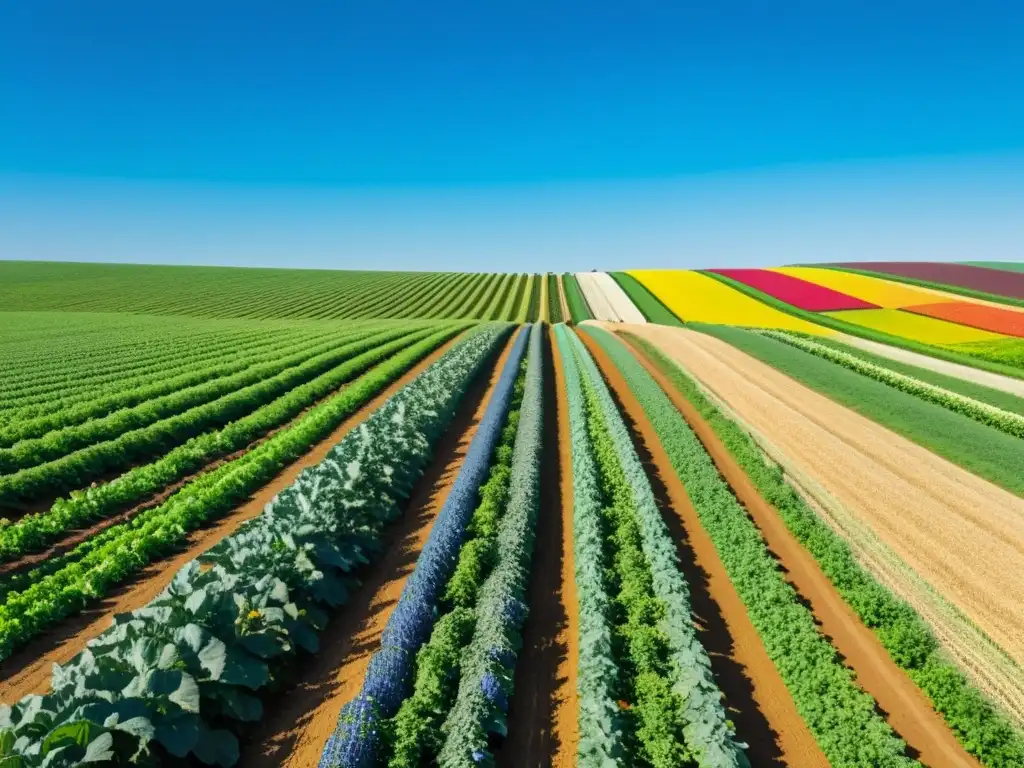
column 110, row 557
column 32, row 532
column 488, row 662
column 647, row 561
column 554, row 300
column 984, row 732
column 578, row 309
column 413, row 735
column 130, row 390
column 72, row 435
column 78, row 468
column 840, row 715
column 1010, row 423
column 175, row 681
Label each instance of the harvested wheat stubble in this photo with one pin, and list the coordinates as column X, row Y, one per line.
column 908, row 710
column 294, row 732
column 963, row 535
column 542, row 728
column 757, row 698
column 988, row 667
column 28, row 671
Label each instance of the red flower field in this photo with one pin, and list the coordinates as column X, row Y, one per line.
column 996, row 281
column 794, row 291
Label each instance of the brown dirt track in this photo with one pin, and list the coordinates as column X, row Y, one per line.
column 293, row 732
column 755, row 695
column 542, row 722
column 28, row 671
column 566, row 317
column 907, row 709
column 963, row 535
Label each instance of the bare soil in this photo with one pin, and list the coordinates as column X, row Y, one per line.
column 28, row 671
column 542, row 719
column 293, row 733
column 566, row 317
column 906, row 708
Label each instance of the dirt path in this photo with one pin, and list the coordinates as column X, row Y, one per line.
column 294, row 732
column 28, row 671
column 965, row 372
column 566, row 317
column 543, row 316
column 542, row 730
column 935, row 515
column 907, row 709
column 755, row 695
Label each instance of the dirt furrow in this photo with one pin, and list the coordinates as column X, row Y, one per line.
column 28, row 671
column 542, row 727
column 907, row 709
column 295, row 729
column 755, row 694
column 566, row 317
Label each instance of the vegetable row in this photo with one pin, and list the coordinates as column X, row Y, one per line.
column 671, row 709
column 65, row 585
column 841, row 716
column 180, row 676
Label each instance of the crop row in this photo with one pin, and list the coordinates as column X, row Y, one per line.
column 1005, row 421
column 554, row 300
column 67, row 408
column 62, row 432
column 414, row 734
column 578, row 309
column 77, row 468
column 647, row 565
column 983, row 731
column 841, row 716
column 178, row 677
column 358, row 739
column 34, row 531
column 488, row 663
column 108, row 558
column 57, row 385
column 644, row 300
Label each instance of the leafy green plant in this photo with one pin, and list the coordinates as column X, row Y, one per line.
column 840, row 715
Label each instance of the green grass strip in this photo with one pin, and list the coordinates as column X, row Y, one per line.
column 840, row 715
column 578, row 308
column 983, row 730
column 978, row 448
column 554, row 300
column 645, row 301
column 1004, row 421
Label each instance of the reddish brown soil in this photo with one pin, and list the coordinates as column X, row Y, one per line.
column 293, row 732
column 758, row 701
column 28, row 671
column 907, row 709
column 543, row 714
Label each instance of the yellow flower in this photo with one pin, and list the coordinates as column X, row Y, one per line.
column 254, row 614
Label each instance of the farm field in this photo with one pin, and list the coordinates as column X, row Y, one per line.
column 655, row 518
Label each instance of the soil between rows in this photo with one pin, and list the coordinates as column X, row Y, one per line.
column 295, row 728
column 542, row 728
column 755, row 695
column 28, row 671
column 906, row 708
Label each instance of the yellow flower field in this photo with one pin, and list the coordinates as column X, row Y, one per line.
column 698, row 298
column 884, row 293
column 927, row 330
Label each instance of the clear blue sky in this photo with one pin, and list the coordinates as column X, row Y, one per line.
column 461, row 134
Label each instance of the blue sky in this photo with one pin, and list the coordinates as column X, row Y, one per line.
column 529, row 135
